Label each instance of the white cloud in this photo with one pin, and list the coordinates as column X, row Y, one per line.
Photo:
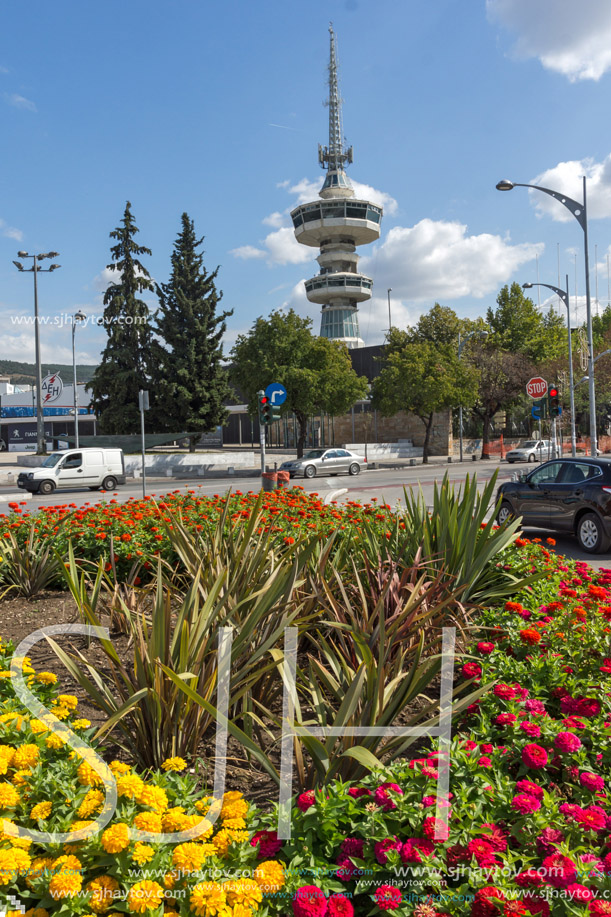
column 275, row 219
column 566, row 177
column 438, row 260
column 21, row 347
column 247, row 251
column 11, row 232
column 18, row 101
column 367, row 193
column 102, row 281
column 570, row 38
column 284, row 248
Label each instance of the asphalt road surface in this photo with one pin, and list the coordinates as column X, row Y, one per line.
column 386, row 485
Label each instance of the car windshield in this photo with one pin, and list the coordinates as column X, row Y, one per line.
column 51, row 460
column 315, row 453
column 529, row 444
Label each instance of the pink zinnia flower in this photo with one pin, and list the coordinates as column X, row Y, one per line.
column 383, row 848
column 592, row 818
column 559, row 870
column 592, row 782
column 268, row 844
column 531, row 729
column 383, row 797
column 525, row 804
column 413, row 847
column 309, row 901
column 527, row 786
column 534, row 706
column 534, row 756
column 567, row 742
column 352, row 847
column 306, row 800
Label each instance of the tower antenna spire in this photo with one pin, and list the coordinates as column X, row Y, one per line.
column 334, row 156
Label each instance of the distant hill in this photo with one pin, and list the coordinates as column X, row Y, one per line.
column 25, row 373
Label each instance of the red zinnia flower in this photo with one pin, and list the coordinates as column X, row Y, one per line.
column 387, row 897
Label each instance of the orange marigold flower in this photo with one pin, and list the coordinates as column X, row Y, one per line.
column 530, row 635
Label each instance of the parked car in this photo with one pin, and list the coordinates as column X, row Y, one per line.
column 532, row 450
column 570, row 495
column 92, row 468
column 325, row 461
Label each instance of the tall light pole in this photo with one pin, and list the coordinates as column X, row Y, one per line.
column 41, row 445
column 76, row 318
column 461, row 344
column 564, row 296
column 580, row 212
column 389, row 291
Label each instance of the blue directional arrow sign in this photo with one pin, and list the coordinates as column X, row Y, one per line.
column 276, row 393
column 535, row 411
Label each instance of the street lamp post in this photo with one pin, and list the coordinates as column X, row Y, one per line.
column 389, row 291
column 76, row 318
column 41, row 445
column 461, row 344
column 580, row 212
column 564, row 296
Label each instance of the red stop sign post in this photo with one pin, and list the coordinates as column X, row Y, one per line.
column 536, row 387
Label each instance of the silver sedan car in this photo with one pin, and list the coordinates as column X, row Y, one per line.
column 325, row 461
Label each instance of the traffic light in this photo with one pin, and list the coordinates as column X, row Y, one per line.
column 553, row 397
column 268, row 412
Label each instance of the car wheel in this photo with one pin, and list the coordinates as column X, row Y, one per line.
column 291, row 474
column 505, row 513
column 591, row 535
column 46, row 487
column 354, row 468
column 109, row 483
column 310, row 471
column 532, row 457
column 510, row 461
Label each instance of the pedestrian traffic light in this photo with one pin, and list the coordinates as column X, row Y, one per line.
column 553, row 397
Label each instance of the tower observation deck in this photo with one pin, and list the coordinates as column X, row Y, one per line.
column 336, row 224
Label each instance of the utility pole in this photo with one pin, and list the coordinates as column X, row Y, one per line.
column 143, row 399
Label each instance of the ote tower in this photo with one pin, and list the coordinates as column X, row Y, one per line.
column 336, row 225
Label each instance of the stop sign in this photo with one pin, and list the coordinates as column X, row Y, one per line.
column 536, row 387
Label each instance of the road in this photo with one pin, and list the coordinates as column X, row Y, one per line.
column 386, row 485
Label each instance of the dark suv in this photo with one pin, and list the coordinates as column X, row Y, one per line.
column 567, row 495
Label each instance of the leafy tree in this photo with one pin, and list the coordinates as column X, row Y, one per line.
column 519, row 326
column 423, row 377
column 126, row 361
column 192, row 384
column 316, row 372
column 502, row 378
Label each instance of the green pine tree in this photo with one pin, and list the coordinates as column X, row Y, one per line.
column 191, row 382
column 126, row 361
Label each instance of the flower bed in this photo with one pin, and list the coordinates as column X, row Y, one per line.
column 138, row 527
column 528, row 813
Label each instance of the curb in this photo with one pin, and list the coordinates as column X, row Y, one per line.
column 15, row 498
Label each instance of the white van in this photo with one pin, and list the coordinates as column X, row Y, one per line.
column 92, row 468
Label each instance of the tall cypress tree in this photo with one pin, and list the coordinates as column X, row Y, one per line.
column 192, row 383
column 127, row 357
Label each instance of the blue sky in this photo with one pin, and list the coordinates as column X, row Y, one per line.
column 216, row 109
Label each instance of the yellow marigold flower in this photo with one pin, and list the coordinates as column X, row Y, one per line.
column 93, row 802
column 144, row 896
column 13, row 862
column 129, row 785
column 119, row 767
column 116, row 838
column 243, row 891
column 23, row 842
column 9, row 796
column 68, row 700
column 142, row 853
column 7, row 753
column 169, row 880
column 148, row 821
column 37, row 869
column 227, row 836
column 46, row 678
column 203, row 804
column 67, row 879
column 234, row 805
column 234, row 823
column 41, row 811
column 153, row 796
column 87, row 776
column 61, row 712
column 208, row 899
column 36, row 912
column 188, row 857
column 81, row 724
column 38, row 727
column 101, row 889
column 20, row 778
column 170, row 913
column 269, row 876
column 26, row 756
column 174, row 764
column 54, row 742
